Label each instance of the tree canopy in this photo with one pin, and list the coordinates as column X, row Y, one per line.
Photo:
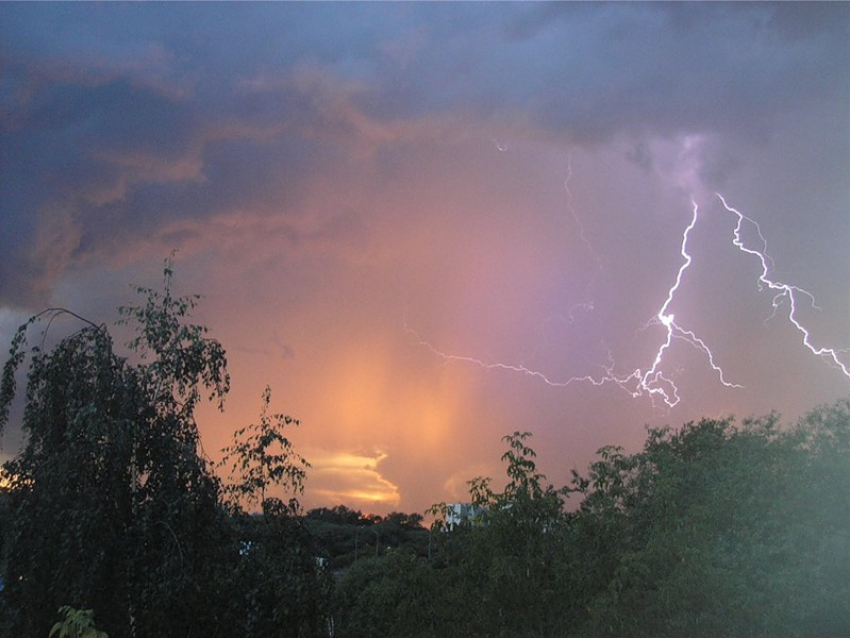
column 112, row 506
column 712, row 529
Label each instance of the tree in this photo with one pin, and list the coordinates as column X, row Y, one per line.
column 391, row 596
column 261, row 457
column 280, row 589
column 523, row 529
column 78, row 623
column 712, row 529
column 338, row 515
column 718, row 529
column 500, row 577
column 111, row 504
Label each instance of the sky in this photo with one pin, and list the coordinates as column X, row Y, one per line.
column 428, row 225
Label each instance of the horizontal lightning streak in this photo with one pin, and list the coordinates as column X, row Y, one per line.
column 501, row 366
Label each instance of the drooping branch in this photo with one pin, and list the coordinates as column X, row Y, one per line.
column 17, row 354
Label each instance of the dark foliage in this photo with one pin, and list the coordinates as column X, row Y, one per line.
column 110, row 505
column 710, row 530
column 344, row 536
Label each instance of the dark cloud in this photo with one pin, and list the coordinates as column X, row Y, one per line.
column 129, row 116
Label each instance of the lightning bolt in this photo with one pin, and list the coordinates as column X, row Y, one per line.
column 652, row 381
column 784, row 292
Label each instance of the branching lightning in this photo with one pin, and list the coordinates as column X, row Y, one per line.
column 784, row 292
column 651, row 381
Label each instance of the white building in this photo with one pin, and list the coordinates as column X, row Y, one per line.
column 460, row 513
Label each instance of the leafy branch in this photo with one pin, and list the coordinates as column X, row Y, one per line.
column 261, row 456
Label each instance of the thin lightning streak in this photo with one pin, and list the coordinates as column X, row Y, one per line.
column 784, row 292
column 501, row 366
column 574, row 215
column 588, row 305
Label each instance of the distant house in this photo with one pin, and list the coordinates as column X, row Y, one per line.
column 462, row 513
